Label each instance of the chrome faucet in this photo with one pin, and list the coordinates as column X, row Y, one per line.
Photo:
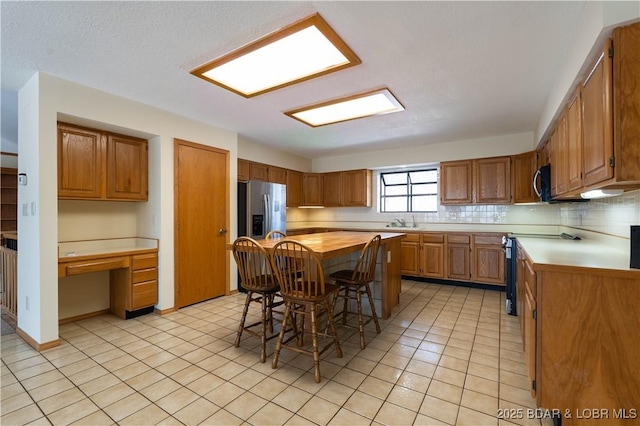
column 415, row 225
column 401, row 222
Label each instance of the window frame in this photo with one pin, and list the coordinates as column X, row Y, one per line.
column 409, row 192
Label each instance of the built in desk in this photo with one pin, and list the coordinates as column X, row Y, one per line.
column 132, row 264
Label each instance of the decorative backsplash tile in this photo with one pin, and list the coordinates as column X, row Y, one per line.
column 609, row 215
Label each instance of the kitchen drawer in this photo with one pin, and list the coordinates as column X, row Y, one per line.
column 144, row 294
column 145, row 261
column 458, row 239
column 83, row 267
column 411, row 238
column 145, row 275
column 488, row 239
column 433, row 238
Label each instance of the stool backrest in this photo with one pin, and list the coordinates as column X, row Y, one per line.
column 254, row 264
column 366, row 265
column 275, row 234
column 298, row 269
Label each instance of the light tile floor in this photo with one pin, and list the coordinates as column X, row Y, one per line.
column 449, row 355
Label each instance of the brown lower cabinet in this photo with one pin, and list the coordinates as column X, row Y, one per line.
column 454, row 256
column 581, row 341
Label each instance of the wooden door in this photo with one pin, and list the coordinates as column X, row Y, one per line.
column 524, row 167
column 456, row 182
column 201, row 220
column 127, row 162
column 597, row 133
column 332, row 189
column 294, row 188
column 80, row 162
column 493, row 180
column 574, row 145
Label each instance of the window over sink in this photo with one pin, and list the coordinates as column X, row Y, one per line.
column 409, row 191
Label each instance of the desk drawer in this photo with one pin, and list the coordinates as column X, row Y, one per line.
column 145, row 275
column 83, row 267
column 145, row 261
column 144, row 294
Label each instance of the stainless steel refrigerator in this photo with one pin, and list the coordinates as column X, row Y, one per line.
column 262, row 207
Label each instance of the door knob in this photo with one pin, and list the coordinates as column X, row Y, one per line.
column 222, row 231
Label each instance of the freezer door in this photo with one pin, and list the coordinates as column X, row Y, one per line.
column 266, row 208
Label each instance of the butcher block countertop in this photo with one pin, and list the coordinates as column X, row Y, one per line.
column 333, row 244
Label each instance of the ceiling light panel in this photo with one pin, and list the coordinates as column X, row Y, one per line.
column 303, row 50
column 366, row 104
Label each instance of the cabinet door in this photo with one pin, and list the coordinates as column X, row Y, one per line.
column 530, row 339
column 574, row 145
column 127, row 162
column 456, row 182
column 410, row 264
column 80, row 163
column 277, row 175
column 489, row 264
column 554, row 160
column 492, row 180
column 243, row 170
column 458, row 267
column 258, row 171
column 597, row 135
column 432, row 262
column 356, row 188
column 560, row 168
column 294, row 188
column 332, row 189
column 312, row 191
column 524, row 167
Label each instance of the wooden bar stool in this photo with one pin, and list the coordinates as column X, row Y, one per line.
column 357, row 280
column 301, row 277
column 262, row 287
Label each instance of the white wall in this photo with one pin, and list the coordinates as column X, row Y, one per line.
column 429, row 154
column 596, row 23
column 41, row 102
column 250, row 150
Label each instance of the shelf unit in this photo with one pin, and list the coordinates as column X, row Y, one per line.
column 9, row 199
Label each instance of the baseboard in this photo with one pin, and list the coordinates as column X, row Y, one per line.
column 164, row 311
column 469, row 284
column 37, row 346
column 83, row 317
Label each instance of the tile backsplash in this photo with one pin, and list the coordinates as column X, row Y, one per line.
column 611, row 216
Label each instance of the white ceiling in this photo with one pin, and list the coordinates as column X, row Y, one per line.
column 461, row 69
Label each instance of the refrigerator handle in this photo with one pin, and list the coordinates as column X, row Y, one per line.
column 267, row 213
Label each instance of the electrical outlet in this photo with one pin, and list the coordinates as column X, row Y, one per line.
column 25, row 209
column 389, row 257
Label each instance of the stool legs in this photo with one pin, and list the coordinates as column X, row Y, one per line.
column 359, row 290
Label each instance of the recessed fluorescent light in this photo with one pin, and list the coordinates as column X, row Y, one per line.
column 303, row 50
column 375, row 102
column 601, row 193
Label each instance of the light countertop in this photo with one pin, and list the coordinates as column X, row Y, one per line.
column 576, row 253
column 72, row 250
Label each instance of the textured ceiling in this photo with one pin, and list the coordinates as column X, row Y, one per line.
column 461, row 69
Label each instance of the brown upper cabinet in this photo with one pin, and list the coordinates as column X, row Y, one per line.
column 523, row 168
column 97, row 165
column 277, row 175
column 258, row 171
column 294, row 188
column 480, row 181
column 574, row 144
column 312, row 189
column 243, row 170
column 332, row 189
column 610, row 119
column 456, row 181
column 356, row 188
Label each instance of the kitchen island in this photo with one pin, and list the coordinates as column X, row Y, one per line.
column 340, row 249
